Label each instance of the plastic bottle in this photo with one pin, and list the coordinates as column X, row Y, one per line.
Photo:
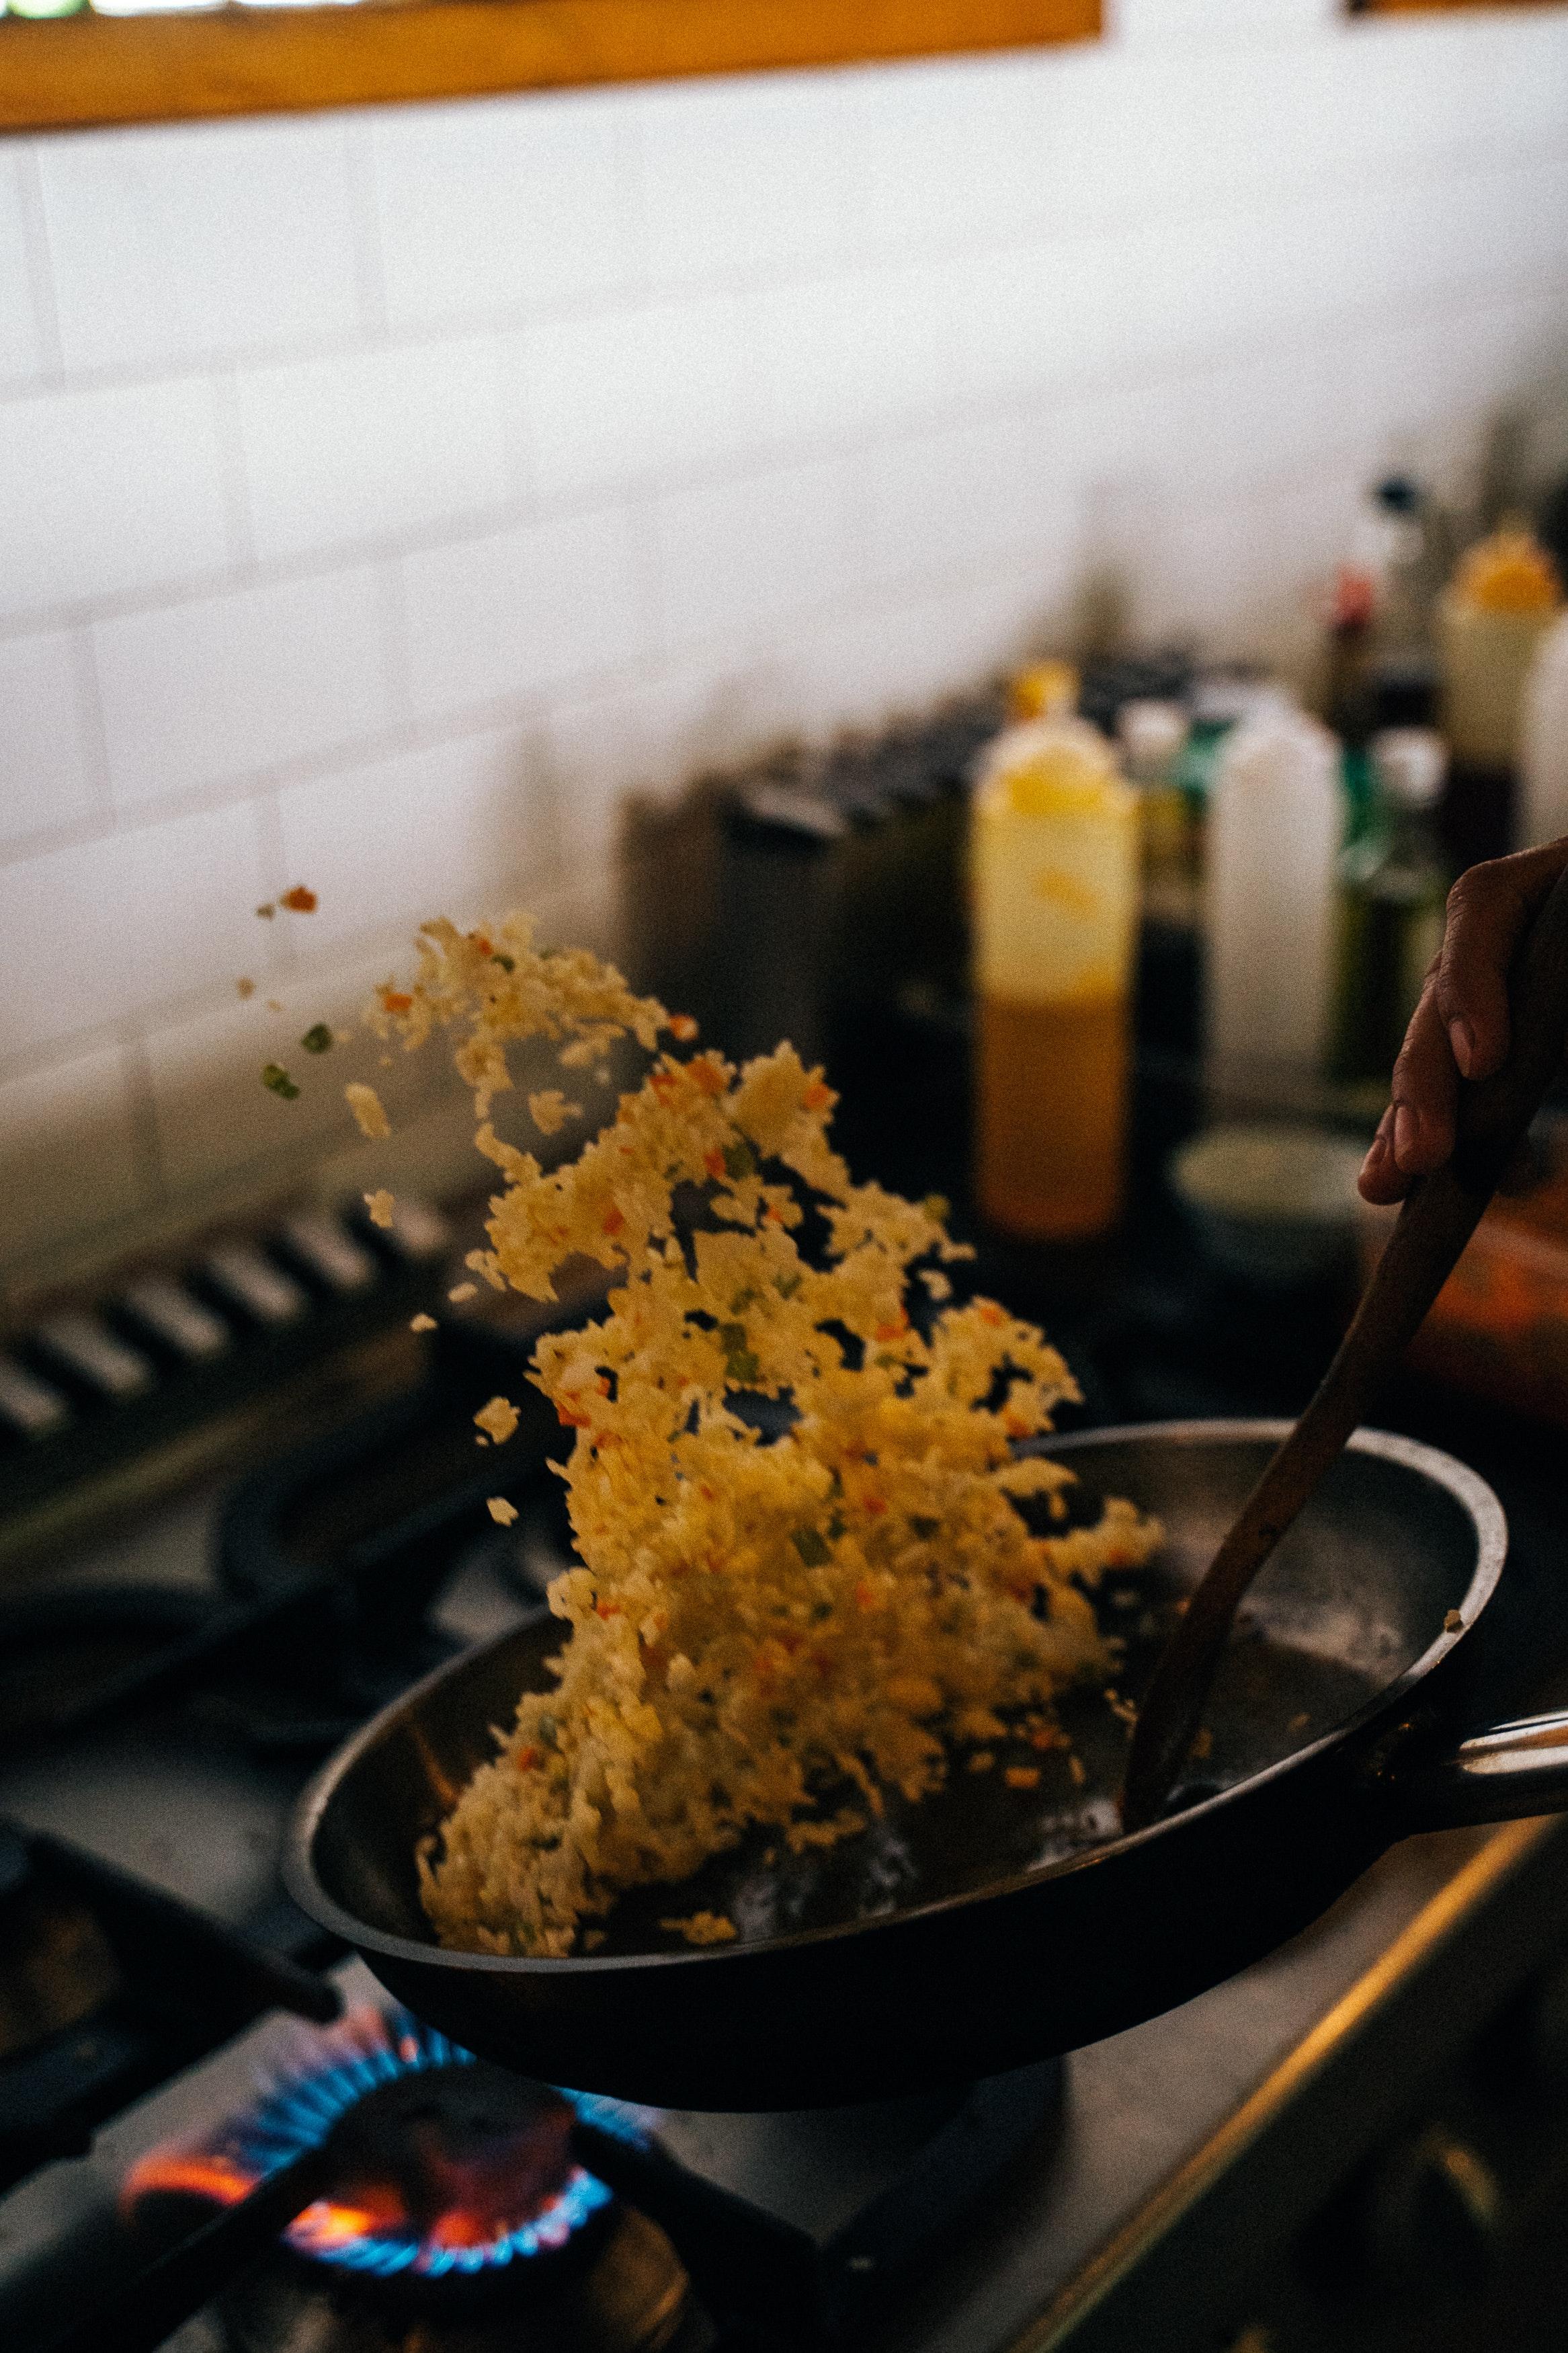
column 1394, row 884
column 1054, row 853
column 1276, row 823
column 1491, row 619
column 1543, row 742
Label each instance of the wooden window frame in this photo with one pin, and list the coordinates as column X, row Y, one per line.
column 73, row 70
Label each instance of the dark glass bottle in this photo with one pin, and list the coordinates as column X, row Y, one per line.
column 1392, row 887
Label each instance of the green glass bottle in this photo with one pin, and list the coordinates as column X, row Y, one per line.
column 1392, row 887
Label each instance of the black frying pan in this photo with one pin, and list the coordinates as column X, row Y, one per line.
column 989, row 1927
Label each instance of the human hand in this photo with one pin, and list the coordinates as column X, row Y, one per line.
column 1459, row 1028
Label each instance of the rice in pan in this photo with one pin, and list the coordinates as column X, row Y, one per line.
column 765, row 1635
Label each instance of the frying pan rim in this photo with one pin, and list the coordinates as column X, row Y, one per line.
column 1467, row 1487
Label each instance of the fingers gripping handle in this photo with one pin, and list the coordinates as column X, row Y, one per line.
column 1494, row 1113
column 1436, row 1221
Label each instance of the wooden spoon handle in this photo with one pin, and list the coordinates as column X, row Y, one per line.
column 1437, row 1219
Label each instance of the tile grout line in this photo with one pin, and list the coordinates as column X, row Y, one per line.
column 529, row 718
column 396, row 643
column 91, row 720
column 239, row 523
column 40, row 266
column 1039, row 399
column 369, row 248
column 527, row 709
column 1030, row 234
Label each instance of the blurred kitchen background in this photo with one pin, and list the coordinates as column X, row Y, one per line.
column 387, row 495
column 1028, row 573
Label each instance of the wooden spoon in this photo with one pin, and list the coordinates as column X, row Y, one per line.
column 1438, row 1217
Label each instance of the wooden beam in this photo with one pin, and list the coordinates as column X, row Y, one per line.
column 240, row 60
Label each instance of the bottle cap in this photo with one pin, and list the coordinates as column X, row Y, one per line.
column 1152, row 735
column 1046, row 689
column 1509, row 573
column 1409, row 764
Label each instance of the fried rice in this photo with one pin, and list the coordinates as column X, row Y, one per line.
column 765, row 1634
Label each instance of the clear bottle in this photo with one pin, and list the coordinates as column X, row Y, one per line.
column 1054, row 869
column 1543, row 744
column 1394, row 884
column 1152, row 736
column 1276, row 827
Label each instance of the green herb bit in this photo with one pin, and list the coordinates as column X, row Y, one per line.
column 812, row 1546
column 317, row 1039
column 788, row 1284
column 506, row 964
column 740, row 1364
column 276, row 1079
column 740, row 1160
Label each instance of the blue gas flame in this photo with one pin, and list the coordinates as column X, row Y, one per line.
column 299, row 2108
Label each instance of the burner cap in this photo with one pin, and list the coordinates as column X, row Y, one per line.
column 461, row 2156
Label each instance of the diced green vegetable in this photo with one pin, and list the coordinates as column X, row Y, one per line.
column 741, row 1365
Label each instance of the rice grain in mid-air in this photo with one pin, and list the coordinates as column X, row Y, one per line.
column 774, row 1634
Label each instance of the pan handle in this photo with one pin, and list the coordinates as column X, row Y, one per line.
column 1496, row 1776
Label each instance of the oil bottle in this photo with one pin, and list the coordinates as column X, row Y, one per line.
column 1393, row 886
column 1054, row 870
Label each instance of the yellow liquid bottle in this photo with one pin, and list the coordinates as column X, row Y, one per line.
column 1053, row 871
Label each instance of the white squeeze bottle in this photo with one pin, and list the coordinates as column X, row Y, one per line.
column 1543, row 744
column 1274, row 824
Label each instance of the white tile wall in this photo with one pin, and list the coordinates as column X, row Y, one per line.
column 495, row 619
column 287, row 669
column 47, row 768
column 120, row 927
column 107, row 491
column 494, row 207
column 383, row 495
column 368, row 446
column 450, row 830
column 743, row 178
column 623, row 396
column 21, row 346
column 174, row 247
column 740, row 558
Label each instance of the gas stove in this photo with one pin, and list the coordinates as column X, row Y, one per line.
column 183, row 1640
